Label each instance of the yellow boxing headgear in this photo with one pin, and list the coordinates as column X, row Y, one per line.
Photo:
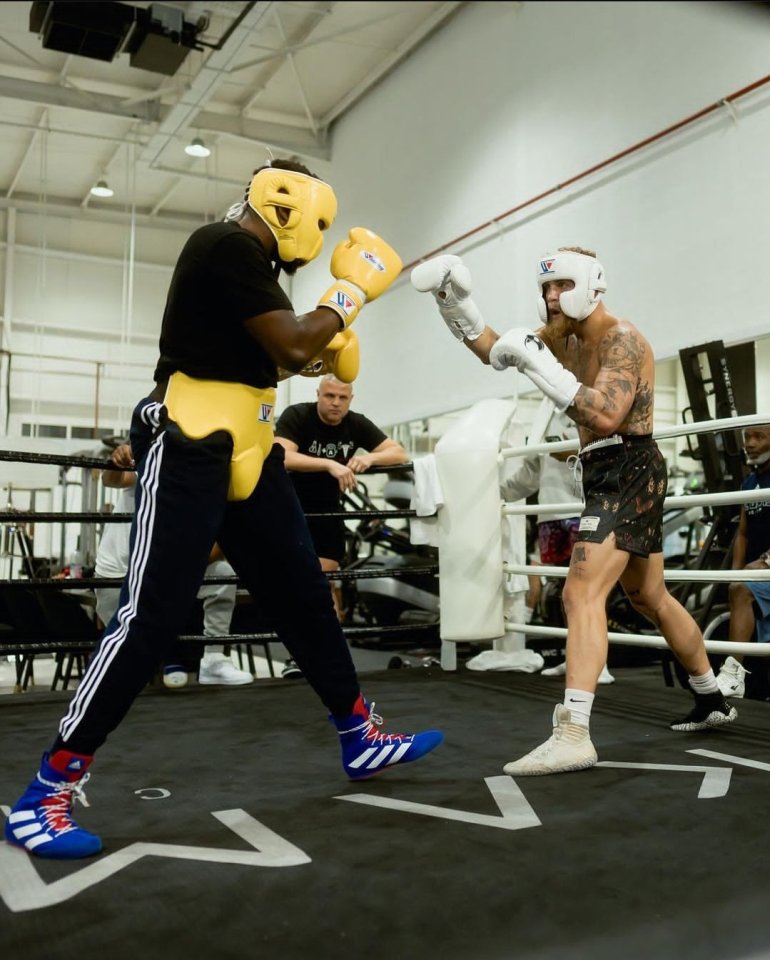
column 312, row 208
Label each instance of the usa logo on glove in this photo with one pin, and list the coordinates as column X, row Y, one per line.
column 375, row 262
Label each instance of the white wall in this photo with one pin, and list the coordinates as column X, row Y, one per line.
column 82, row 305
column 510, row 100
column 505, row 102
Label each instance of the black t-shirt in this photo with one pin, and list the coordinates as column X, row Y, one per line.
column 223, row 277
column 300, row 423
column 757, row 516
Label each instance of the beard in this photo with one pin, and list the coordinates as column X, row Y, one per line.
column 291, row 267
column 560, row 327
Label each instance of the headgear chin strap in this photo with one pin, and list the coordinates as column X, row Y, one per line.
column 311, row 204
column 586, row 273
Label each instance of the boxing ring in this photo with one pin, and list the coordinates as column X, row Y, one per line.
column 265, row 829
column 481, row 547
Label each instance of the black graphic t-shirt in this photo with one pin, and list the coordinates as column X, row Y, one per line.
column 300, row 423
column 757, row 516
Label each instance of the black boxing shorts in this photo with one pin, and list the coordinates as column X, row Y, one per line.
column 625, row 479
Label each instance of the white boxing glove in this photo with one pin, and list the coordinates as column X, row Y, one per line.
column 449, row 280
column 523, row 349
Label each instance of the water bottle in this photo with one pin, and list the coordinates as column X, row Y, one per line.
column 76, row 566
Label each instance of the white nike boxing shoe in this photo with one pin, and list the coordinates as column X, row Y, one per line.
column 568, row 748
column 731, row 679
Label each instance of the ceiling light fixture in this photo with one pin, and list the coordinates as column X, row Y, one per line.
column 197, row 148
column 102, row 189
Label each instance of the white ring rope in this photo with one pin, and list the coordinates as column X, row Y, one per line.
column 643, row 640
column 701, row 426
column 676, row 502
column 670, row 503
column 681, row 576
column 476, row 532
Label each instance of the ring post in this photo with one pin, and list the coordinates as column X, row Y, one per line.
column 469, row 528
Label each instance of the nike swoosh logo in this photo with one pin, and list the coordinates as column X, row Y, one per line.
column 573, row 700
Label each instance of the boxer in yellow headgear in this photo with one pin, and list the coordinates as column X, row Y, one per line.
column 208, row 472
column 297, row 208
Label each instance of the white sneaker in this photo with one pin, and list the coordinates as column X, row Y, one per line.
column 568, row 748
column 222, row 671
column 561, row 669
column 730, row 678
column 558, row 671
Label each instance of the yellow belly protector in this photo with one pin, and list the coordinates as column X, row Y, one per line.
column 201, row 407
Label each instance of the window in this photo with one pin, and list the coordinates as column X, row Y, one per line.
column 88, row 433
column 43, row 430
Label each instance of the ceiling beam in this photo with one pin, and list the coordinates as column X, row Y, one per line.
column 59, row 207
column 298, row 80
column 283, row 136
column 289, row 138
column 204, row 84
column 33, row 140
column 53, row 95
column 304, row 42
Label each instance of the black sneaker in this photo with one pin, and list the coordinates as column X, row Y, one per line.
column 710, row 710
column 290, row 670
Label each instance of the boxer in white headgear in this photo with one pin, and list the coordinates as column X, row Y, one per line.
column 584, row 270
column 600, row 370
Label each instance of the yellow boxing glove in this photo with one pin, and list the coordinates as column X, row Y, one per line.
column 364, row 266
column 341, row 357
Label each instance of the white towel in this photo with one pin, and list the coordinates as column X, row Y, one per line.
column 524, row 661
column 427, row 499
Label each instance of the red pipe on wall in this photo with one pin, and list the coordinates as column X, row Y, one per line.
column 597, row 166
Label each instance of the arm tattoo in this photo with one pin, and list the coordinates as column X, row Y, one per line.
column 617, row 386
column 642, row 408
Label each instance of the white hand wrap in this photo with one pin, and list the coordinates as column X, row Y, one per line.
column 449, row 280
column 523, row 349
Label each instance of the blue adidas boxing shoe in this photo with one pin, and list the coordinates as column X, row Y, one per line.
column 40, row 820
column 366, row 752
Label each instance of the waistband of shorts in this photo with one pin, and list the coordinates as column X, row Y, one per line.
column 615, row 443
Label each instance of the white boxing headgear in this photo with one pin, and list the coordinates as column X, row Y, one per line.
column 586, row 273
column 312, row 208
